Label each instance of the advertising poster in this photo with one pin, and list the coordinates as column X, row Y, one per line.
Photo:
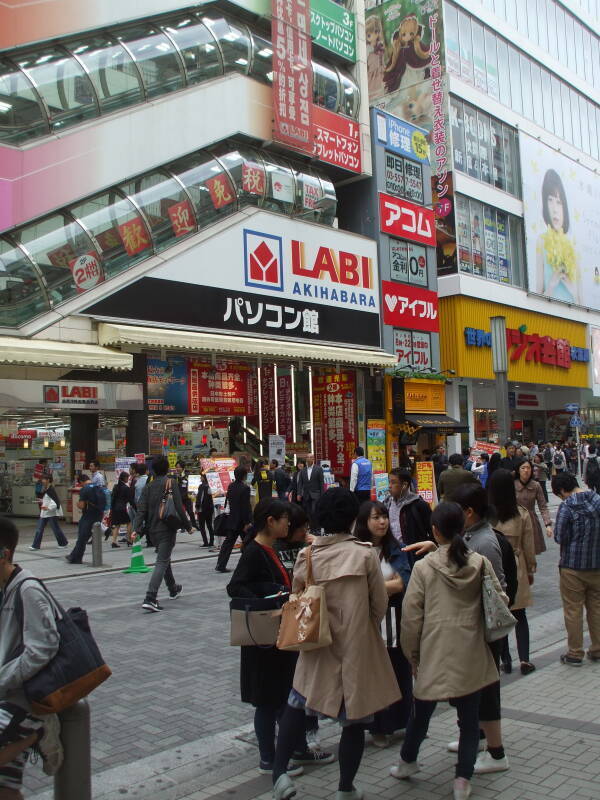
column 382, row 485
column 408, row 262
column 123, row 464
column 476, row 237
column 485, row 447
column 491, row 257
column 219, row 390
column 595, row 333
column 285, row 407
column 562, row 230
column 334, row 416
column 292, row 74
column 426, row 481
column 267, row 400
column 277, row 449
column 167, row 386
column 376, row 444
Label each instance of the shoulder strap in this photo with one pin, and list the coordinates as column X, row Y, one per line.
column 19, row 599
column 309, row 572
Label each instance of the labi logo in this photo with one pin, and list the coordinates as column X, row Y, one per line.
column 263, row 260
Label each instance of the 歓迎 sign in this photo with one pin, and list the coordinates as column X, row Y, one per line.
column 410, row 307
column 401, row 218
column 400, row 137
column 333, row 28
column 337, row 139
column 292, row 74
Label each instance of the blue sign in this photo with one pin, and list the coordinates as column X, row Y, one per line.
column 572, row 408
column 167, row 385
column 400, row 137
column 575, row 421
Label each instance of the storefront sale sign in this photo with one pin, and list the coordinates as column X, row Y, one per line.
column 268, row 410
column 334, row 416
column 167, row 386
column 285, row 408
column 426, row 481
column 376, row 444
column 87, row 271
column 223, row 389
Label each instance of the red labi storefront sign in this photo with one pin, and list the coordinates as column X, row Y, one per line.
column 401, row 218
column 409, row 307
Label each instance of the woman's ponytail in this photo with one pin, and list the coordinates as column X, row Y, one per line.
column 458, row 550
column 448, row 519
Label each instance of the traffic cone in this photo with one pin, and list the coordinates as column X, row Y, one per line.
column 137, row 560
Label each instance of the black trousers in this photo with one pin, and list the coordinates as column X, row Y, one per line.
column 204, row 522
column 189, row 507
column 362, row 495
column 227, row 547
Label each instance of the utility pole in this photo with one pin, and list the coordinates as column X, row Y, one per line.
column 500, row 366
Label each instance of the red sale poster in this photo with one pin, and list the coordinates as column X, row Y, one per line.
column 267, row 399
column 334, row 416
column 285, row 408
column 224, row 389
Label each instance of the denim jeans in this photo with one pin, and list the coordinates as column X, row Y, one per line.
column 467, row 708
column 164, row 543
column 84, row 531
column 55, row 525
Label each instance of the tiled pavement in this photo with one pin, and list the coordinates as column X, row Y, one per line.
column 165, row 725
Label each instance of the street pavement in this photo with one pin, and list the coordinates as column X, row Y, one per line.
column 169, row 725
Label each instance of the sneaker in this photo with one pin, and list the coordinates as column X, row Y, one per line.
column 571, row 661
column 485, row 763
column 355, row 794
column 266, row 768
column 404, row 770
column 50, row 745
column 462, row 789
column 312, row 740
column 31, row 547
column 380, row 740
column 312, row 757
column 453, row 746
column 284, row 787
column 175, row 591
column 151, row 605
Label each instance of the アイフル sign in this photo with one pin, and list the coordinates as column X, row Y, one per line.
column 410, row 307
column 405, row 220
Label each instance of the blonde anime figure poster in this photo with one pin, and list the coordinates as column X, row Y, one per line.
column 399, row 51
column 560, row 199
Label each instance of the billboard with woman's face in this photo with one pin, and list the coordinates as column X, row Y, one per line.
column 561, row 200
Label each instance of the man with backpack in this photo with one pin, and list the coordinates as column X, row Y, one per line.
column 559, row 460
column 160, row 514
column 92, row 502
column 547, row 456
column 592, row 470
column 36, row 637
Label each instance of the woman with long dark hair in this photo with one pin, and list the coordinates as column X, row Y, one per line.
column 514, row 522
column 493, row 465
column 373, row 525
column 443, row 638
column 119, row 515
column 529, row 494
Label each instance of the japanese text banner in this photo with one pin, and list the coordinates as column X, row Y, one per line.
column 410, row 307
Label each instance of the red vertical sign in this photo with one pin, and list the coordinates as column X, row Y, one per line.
column 285, row 409
column 292, row 74
column 334, row 417
column 267, row 397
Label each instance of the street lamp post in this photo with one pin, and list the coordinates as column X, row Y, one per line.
column 500, row 366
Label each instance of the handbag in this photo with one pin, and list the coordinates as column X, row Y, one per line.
column 76, row 669
column 49, row 507
column 498, row 622
column 255, row 620
column 304, row 618
column 167, row 511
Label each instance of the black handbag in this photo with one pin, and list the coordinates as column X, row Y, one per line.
column 167, row 512
column 76, row 669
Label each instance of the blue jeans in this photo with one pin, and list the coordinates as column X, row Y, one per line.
column 84, row 531
column 39, row 532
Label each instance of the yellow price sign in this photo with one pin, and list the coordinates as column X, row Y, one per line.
column 172, row 460
column 419, row 145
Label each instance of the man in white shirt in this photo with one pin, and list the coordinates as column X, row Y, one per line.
column 98, row 478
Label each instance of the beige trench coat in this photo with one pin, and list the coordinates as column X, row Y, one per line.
column 442, row 627
column 519, row 532
column 355, row 669
column 528, row 495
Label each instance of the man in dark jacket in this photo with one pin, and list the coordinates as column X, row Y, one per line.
column 240, row 515
column 163, row 537
column 454, row 477
column 186, row 500
column 510, row 459
column 410, row 515
column 281, row 478
column 311, row 486
column 205, row 509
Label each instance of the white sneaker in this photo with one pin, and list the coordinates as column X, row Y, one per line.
column 312, row 740
column 485, row 763
column 284, row 788
column 462, row 789
column 453, row 746
column 50, row 745
column 404, row 770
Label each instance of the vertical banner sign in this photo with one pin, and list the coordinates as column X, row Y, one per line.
column 334, row 417
column 426, row 482
column 376, row 444
column 167, row 386
column 267, row 396
column 292, row 74
column 285, row 410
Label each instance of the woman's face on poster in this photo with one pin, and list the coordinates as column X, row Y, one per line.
column 556, row 212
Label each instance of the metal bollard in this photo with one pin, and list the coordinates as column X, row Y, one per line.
column 73, row 781
column 96, row 545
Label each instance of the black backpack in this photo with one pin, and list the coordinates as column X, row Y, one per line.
column 548, row 455
column 558, row 459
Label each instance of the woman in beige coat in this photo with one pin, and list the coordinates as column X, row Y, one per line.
column 443, row 638
column 529, row 492
column 352, row 678
column 514, row 522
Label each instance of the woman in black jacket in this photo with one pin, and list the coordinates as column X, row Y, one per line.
column 266, row 674
column 205, row 509
column 118, row 510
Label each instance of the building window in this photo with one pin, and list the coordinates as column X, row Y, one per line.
column 413, row 349
column 408, row 262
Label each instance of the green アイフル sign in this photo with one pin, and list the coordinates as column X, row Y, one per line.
column 333, row 28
